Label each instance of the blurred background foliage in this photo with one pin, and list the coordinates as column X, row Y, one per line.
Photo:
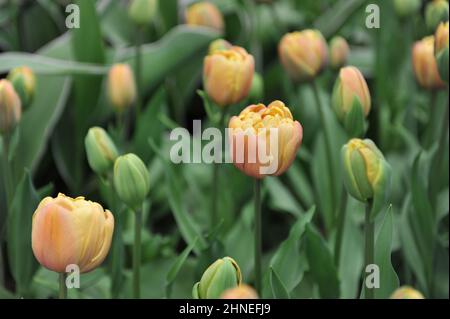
column 298, row 219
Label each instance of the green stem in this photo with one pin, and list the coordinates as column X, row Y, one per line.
column 138, row 48
column 6, row 170
column 137, row 253
column 62, row 286
column 258, row 236
column 369, row 250
column 434, row 117
column 2, row 267
column 340, row 228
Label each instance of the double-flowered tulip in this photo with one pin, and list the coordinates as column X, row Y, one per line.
column 425, row 65
column 71, row 231
column 441, row 49
column 228, row 75
column 10, row 107
column 264, row 140
column 121, row 87
column 142, row 12
column 436, row 12
column 240, row 292
column 101, row 150
column 406, row 292
column 303, row 54
column 24, row 82
column 339, row 51
column 205, row 14
column 222, row 275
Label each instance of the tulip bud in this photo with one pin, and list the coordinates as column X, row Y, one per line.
column 10, row 107
column 240, row 292
column 366, row 172
column 68, row 231
column 121, row 87
column 204, row 14
column 264, row 140
column 131, row 180
column 339, row 51
column 219, row 45
column 257, row 88
column 24, row 82
column 436, row 12
column 223, row 274
column 424, row 64
column 228, row 75
column 441, row 50
column 351, row 100
column 406, row 292
column 142, row 12
column 303, row 54
column 100, row 149
column 405, row 8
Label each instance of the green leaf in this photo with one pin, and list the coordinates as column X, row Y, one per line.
column 297, row 176
column 281, row 198
column 279, row 290
column 181, row 259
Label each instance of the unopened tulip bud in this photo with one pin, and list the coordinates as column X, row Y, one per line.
column 24, row 82
column 131, row 180
column 142, row 12
column 257, row 88
column 223, row 274
column 228, row 75
column 366, row 172
column 339, row 51
column 435, row 13
column 405, row 8
column 100, row 149
column 441, row 50
column 303, row 54
column 204, row 14
column 406, row 292
column 121, row 87
column 219, row 45
column 240, row 292
column 351, row 100
column 71, row 231
column 10, row 107
column 425, row 65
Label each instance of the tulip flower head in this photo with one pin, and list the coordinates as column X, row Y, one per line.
column 68, row 231
column 219, row 45
column 339, row 51
column 10, row 107
column 405, row 8
column 228, row 75
column 240, row 292
column 436, row 12
column 223, row 274
column 100, row 149
column 424, row 64
column 264, row 140
column 142, row 12
column 205, row 14
column 24, row 82
column 303, row 54
column 406, row 292
column 441, row 50
column 121, row 87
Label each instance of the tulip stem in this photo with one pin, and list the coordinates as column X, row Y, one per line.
column 138, row 73
column 62, row 286
column 369, row 250
column 340, row 228
column 258, row 236
column 137, row 253
column 7, row 171
column 430, row 129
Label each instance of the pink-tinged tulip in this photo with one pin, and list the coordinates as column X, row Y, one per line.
column 339, row 51
column 204, row 14
column 121, row 87
column 424, row 64
column 264, row 140
column 69, row 231
column 228, row 75
column 303, row 54
column 10, row 107
column 241, row 292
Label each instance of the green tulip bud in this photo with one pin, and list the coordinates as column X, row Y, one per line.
column 131, row 180
column 142, row 12
column 435, row 13
column 256, row 93
column 222, row 275
column 366, row 172
column 405, row 8
column 100, row 149
column 24, row 82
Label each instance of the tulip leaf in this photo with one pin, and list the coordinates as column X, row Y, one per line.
column 300, row 184
column 180, row 260
column 22, row 262
column 321, row 264
column 281, row 198
column 279, row 290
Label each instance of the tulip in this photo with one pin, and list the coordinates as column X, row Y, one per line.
column 240, row 292
column 339, row 51
column 223, row 274
column 131, row 180
column 219, row 45
column 303, row 54
column 100, row 149
column 406, row 292
column 441, row 50
column 228, row 75
column 24, row 82
column 424, row 64
column 351, row 100
column 121, row 87
column 436, row 12
column 10, row 107
column 142, row 12
column 204, row 14
column 271, row 128
column 405, row 8
column 71, row 231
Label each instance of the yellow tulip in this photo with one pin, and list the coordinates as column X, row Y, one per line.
column 424, row 64
column 218, row 45
column 406, row 292
column 10, row 107
column 204, row 14
column 264, row 140
column 241, row 292
column 121, row 87
column 24, row 82
column 69, row 231
column 441, row 49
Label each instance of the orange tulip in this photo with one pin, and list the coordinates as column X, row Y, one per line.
column 10, row 107
column 264, row 140
column 121, row 86
column 204, row 14
column 424, row 64
column 240, row 292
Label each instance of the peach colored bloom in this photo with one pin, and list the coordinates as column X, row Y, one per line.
column 204, row 14
column 424, row 64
